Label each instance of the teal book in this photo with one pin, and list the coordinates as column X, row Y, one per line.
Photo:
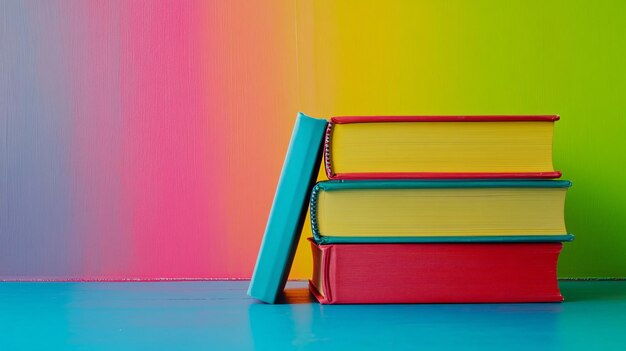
column 288, row 212
column 439, row 211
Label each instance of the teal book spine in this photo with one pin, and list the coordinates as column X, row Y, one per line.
column 289, row 208
column 337, row 185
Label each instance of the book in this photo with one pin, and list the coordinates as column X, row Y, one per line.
column 288, row 212
column 448, row 147
column 380, row 211
column 435, row 273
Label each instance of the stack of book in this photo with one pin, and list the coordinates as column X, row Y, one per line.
column 422, row 209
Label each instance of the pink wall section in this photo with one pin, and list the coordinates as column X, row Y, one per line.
column 170, row 131
column 171, row 151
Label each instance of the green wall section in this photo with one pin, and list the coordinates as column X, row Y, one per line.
column 491, row 57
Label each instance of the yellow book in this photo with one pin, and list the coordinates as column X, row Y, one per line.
column 439, row 211
column 397, row 147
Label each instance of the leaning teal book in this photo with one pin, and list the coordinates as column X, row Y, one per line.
column 288, row 212
column 439, row 211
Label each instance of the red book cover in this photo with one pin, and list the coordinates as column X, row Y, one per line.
column 435, row 273
column 330, row 170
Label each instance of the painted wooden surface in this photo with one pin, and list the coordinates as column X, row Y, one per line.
column 219, row 316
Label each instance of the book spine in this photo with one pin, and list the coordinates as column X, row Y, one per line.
column 507, row 118
column 548, row 238
column 443, row 175
column 313, row 212
column 432, row 184
column 327, row 157
column 331, row 273
column 321, row 284
column 289, row 208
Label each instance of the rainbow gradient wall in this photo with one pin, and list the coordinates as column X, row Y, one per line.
column 144, row 139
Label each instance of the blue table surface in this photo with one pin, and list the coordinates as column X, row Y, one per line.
column 219, row 316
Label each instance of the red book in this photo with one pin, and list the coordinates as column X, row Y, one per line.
column 435, row 273
column 439, row 147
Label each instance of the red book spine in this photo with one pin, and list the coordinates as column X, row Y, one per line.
column 436, row 273
column 442, row 175
column 501, row 118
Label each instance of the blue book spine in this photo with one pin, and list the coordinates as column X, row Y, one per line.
column 289, row 208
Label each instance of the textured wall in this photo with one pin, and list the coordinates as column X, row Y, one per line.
column 492, row 57
column 143, row 139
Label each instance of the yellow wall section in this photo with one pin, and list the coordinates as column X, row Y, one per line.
column 457, row 57
column 441, row 212
column 442, row 147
